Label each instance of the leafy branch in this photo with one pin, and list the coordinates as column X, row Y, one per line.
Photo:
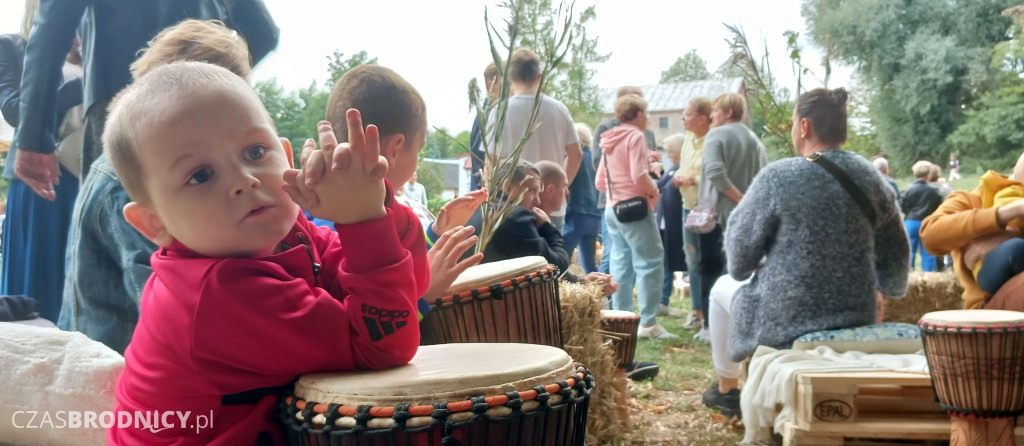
column 499, row 162
column 757, row 74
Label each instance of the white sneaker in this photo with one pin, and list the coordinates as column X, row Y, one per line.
column 693, row 322
column 655, row 331
column 665, row 310
column 703, row 335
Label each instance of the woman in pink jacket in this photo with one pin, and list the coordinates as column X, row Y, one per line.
column 637, row 253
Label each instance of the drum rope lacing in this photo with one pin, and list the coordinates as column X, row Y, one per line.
column 976, row 377
column 444, row 321
column 582, row 383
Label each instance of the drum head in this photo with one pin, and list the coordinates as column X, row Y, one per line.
column 496, row 272
column 447, row 372
column 619, row 314
column 973, row 318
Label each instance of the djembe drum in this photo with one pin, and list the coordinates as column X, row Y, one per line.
column 976, row 359
column 623, row 326
column 513, row 300
column 452, row 394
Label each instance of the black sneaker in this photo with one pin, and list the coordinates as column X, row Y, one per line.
column 639, row 371
column 728, row 403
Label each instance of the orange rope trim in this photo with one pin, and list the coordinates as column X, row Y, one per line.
column 546, row 272
column 947, row 327
column 427, row 410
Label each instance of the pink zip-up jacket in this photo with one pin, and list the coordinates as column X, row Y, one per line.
column 625, row 151
column 211, row 327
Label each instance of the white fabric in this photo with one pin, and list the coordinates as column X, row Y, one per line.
column 554, row 129
column 771, row 380
column 720, row 324
column 48, row 370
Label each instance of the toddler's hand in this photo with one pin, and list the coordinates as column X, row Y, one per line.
column 352, row 189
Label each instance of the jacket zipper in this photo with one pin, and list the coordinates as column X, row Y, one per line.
column 312, row 258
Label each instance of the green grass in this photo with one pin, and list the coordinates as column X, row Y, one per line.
column 685, row 372
column 966, row 182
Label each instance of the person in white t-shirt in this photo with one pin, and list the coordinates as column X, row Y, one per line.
column 554, row 136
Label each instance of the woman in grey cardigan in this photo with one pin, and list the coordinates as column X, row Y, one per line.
column 810, row 257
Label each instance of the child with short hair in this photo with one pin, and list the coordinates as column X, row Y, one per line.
column 391, row 103
column 246, row 294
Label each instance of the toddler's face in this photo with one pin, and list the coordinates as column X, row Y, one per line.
column 214, row 172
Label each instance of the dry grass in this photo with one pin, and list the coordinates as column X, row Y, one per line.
column 926, row 292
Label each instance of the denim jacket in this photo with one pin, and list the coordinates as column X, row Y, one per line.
column 107, row 262
column 582, row 192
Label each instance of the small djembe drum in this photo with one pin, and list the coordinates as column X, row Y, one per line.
column 976, row 359
column 622, row 325
column 513, row 300
column 452, row 394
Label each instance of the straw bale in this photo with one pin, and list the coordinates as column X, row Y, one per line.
column 926, row 292
column 584, row 341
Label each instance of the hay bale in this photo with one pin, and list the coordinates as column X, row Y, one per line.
column 926, row 292
column 581, row 326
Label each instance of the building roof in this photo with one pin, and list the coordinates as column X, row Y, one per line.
column 675, row 96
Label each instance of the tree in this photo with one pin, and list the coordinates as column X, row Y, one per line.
column 926, row 59
column 993, row 127
column 286, row 110
column 690, row 67
column 570, row 82
column 295, row 113
column 338, row 65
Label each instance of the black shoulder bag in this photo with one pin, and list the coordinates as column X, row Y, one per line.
column 626, row 211
column 848, row 184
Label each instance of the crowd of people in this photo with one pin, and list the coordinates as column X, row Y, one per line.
column 194, row 246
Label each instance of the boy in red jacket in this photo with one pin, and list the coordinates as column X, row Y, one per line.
column 246, row 294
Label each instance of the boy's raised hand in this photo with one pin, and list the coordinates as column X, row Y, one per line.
column 352, row 189
column 457, row 212
column 445, row 265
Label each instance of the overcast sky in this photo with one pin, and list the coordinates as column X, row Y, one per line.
column 439, row 45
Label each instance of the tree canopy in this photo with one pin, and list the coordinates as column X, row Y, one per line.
column 571, row 82
column 925, row 60
column 689, row 67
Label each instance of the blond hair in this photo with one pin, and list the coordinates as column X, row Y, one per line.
column 139, row 107
column 701, row 105
column 674, row 143
column 921, row 169
column 197, row 40
column 586, row 136
column 629, row 106
column 934, row 173
column 731, row 101
column 28, row 18
column 629, row 89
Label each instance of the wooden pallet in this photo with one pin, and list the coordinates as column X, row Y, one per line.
column 844, row 408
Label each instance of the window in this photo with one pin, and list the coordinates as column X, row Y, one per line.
column 663, row 122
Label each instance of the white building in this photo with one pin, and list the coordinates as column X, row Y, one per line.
column 454, row 175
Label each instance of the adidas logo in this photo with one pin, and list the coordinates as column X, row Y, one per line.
column 381, row 322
